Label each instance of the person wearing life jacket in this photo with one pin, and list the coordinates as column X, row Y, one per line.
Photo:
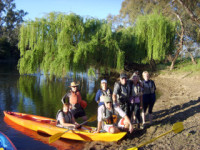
column 103, row 91
column 149, row 96
column 74, row 97
column 109, row 118
column 135, row 100
column 121, row 93
column 65, row 118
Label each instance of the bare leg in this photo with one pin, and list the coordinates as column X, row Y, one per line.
column 143, row 118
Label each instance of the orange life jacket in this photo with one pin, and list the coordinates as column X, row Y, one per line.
column 75, row 98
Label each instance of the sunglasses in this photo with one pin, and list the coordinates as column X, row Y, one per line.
column 74, row 86
column 108, row 102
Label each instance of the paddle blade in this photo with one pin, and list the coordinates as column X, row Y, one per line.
column 55, row 137
column 177, row 127
column 93, row 118
column 133, row 148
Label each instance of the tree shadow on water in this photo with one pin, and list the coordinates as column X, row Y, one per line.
column 177, row 113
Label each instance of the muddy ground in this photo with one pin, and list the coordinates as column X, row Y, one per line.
column 178, row 99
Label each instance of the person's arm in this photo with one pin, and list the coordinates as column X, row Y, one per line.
column 115, row 92
column 154, row 84
column 77, row 125
column 141, row 102
column 99, row 125
column 64, row 124
column 97, row 97
column 64, row 98
column 126, row 119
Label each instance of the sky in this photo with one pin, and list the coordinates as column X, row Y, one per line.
column 99, row 9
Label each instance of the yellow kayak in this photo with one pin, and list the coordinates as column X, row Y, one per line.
column 48, row 126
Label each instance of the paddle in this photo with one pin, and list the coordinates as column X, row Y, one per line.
column 58, row 135
column 176, row 128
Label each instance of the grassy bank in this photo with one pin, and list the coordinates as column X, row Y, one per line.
column 181, row 66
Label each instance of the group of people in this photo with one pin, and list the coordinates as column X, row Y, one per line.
column 118, row 110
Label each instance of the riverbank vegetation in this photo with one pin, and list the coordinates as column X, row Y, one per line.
column 10, row 21
column 149, row 34
column 59, row 43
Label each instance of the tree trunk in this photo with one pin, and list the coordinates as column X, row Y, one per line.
column 180, row 43
column 192, row 58
column 190, row 13
column 152, row 64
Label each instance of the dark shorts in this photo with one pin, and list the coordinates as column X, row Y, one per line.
column 77, row 113
column 148, row 102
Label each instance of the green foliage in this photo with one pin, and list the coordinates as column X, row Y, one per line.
column 155, row 37
column 10, row 20
column 4, row 48
column 59, row 43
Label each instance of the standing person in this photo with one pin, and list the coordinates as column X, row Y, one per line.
column 108, row 117
column 149, row 96
column 136, row 100
column 121, row 93
column 103, row 91
column 137, row 73
column 65, row 118
column 74, row 97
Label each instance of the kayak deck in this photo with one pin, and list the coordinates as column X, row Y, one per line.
column 48, row 126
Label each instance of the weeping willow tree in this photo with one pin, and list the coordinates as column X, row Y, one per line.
column 155, row 36
column 59, row 43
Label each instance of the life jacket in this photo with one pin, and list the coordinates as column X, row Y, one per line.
column 136, row 90
column 124, row 92
column 148, row 87
column 75, row 99
column 106, row 93
column 109, row 117
column 67, row 117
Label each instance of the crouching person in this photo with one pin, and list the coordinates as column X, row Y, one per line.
column 108, row 115
column 65, row 118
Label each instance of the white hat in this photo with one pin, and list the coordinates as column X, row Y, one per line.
column 103, row 81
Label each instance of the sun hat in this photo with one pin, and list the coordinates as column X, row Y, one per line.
column 123, row 75
column 103, row 81
column 106, row 99
column 73, row 84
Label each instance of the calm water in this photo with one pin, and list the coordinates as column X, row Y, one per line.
column 34, row 94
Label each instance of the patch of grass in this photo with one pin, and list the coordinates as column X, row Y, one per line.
column 181, row 65
column 186, row 65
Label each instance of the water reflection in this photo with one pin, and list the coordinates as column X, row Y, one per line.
column 61, row 144
column 35, row 94
column 40, row 96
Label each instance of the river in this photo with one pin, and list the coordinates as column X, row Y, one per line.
column 34, row 94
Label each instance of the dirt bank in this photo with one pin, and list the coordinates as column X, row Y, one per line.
column 178, row 100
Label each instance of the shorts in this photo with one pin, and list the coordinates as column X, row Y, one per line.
column 120, row 124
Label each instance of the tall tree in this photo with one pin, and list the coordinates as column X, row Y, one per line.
column 10, row 20
column 58, row 43
column 155, row 37
column 188, row 12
